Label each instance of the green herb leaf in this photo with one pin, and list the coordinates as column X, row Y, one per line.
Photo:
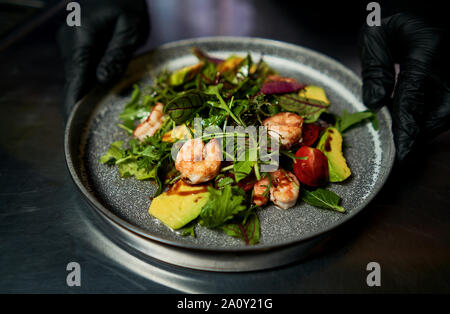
column 215, row 91
column 348, row 120
column 184, row 106
column 323, row 198
column 246, row 159
column 242, row 169
column 309, row 109
column 222, row 206
column 133, row 113
column 248, row 230
column 132, row 168
column 188, row 230
column 135, row 109
column 224, row 181
column 114, row 153
column 374, row 120
column 214, row 118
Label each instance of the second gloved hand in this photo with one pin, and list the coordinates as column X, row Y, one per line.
column 420, row 105
column 99, row 50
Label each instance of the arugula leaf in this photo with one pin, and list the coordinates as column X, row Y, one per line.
column 145, row 160
column 114, row 153
column 348, row 120
column 214, row 90
column 143, row 168
column 235, row 68
column 323, row 198
column 189, row 229
column 139, row 111
column 246, row 88
column 222, row 206
column 262, row 69
column 246, row 159
column 135, row 96
column 242, row 169
column 134, row 109
column 216, row 117
column 224, row 181
column 184, row 106
column 209, row 72
column 243, row 69
column 131, row 168
column 309, row 109
column 249, row 230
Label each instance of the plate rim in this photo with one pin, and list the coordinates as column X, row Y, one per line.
column 96, row 204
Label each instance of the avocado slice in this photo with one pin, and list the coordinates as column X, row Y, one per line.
column 181, row 204
column 330, row 144
column 314, row 92
column 229, row 64
column 178, row 133
column 185, row 74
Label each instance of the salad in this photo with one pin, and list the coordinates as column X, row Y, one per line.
column 224, row 138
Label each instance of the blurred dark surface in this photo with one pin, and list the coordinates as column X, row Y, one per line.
column 45, row 223
column 18, row 17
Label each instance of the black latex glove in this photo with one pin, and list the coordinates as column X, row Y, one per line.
column 99, row 50
column 420, row 106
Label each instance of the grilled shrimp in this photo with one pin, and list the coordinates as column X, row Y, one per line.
column 198, row 162
column 285, row 189
column 261, row 192
column 283, row 186
column 287, row 125
column 153, row 123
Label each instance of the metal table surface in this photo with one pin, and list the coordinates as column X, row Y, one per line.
column 45, row 222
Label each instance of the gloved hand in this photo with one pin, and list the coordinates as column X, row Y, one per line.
column 99, row 50
column 420, row 105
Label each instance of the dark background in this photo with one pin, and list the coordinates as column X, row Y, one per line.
column 45, row 223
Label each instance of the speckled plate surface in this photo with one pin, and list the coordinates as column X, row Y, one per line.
column 93, row 126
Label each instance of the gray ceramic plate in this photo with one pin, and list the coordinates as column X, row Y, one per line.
column 93, row 126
